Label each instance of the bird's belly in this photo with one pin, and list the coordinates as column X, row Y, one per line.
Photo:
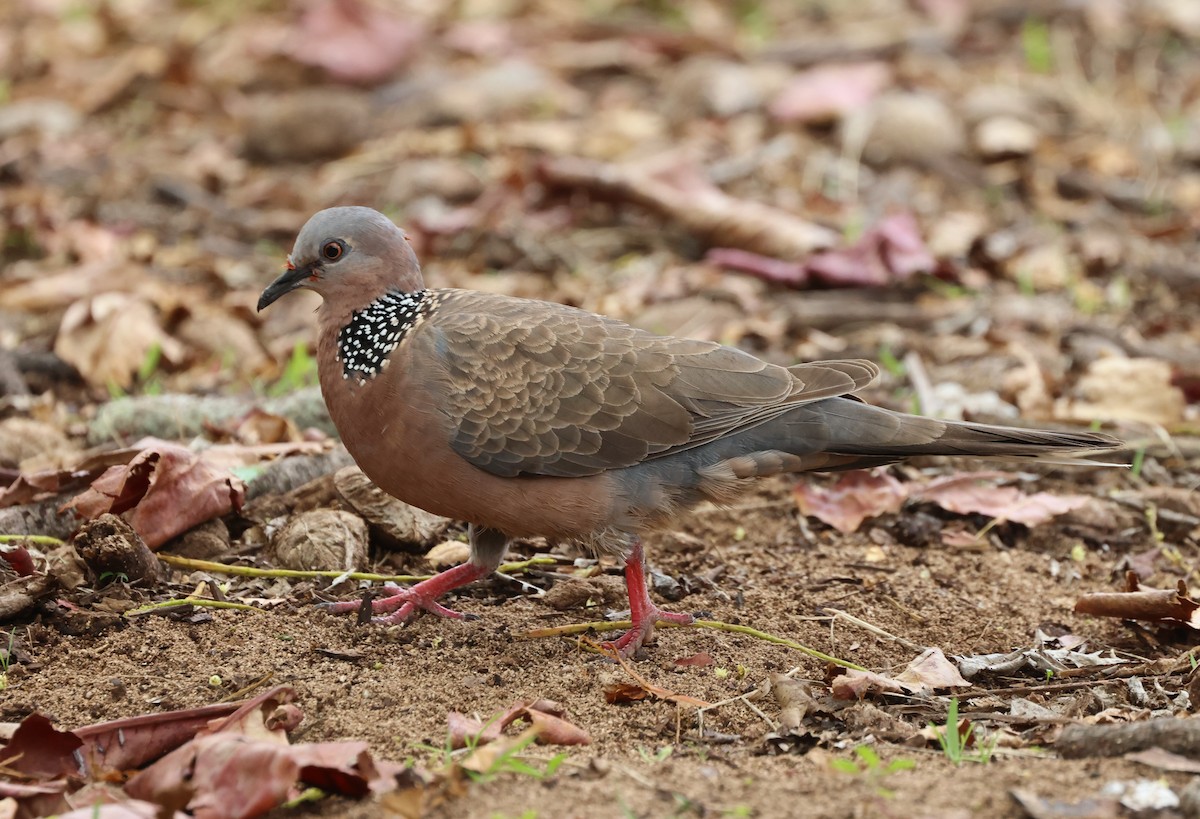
column 417, row 465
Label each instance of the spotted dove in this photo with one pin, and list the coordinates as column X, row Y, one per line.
column 528, row 418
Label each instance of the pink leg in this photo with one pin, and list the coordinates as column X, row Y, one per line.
column 642, row 610
column 487, row 550
column 404, row 603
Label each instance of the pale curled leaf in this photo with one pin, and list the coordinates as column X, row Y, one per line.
column 1130, row 389
column 892, row 250
column 931, row 671
column 108, row 337
column 466, row 730
column 854, row 685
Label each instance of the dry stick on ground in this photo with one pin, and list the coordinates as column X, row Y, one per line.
column 745, row 700
column 1103, row 675
column 41, row 517
column 693, row 202
column 1141, row 603
column 876, row 630
column 918, row 376
column 1179, row 736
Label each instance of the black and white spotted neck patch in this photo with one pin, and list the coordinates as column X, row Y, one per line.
column 365, row 343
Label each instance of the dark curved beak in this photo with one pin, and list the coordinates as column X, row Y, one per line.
column 292, row 278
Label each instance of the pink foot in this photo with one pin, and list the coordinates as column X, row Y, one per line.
column 405, row 603
column 642, row 610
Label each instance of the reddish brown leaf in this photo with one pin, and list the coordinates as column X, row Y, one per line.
column 167, row 490
column 965, row 495
column 466, row 730
column 126, row 809
column 700, row 660
column 354, row 40
column 337, row 767
column 127, row 744
column 220, row 775
column 767, row 268
column 853, row 498
column 552, row 730
column 18, row 559
column 39, row 750
column 622, row 693
column 827, row 92
column 892, row 250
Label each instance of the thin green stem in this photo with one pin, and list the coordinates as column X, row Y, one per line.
column 251, row 571
column 40, row 540
column 189, row 601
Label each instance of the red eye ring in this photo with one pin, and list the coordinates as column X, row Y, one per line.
column 332, row 251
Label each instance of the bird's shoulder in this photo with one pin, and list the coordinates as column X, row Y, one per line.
column 539, row 388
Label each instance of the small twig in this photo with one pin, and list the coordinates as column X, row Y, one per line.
column 745, row 698
column 244, row 692
column 1015, row 719
column 838, row 614
column 918, row 376
column 251, row 571
column 637, row 777
column 536, row 591
column 900, row 607
column 715, row 625
column 774, row 725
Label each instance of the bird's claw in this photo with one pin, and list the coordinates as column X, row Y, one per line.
column 403, row 605
column 643, row 628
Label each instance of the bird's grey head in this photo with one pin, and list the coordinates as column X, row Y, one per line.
column 353, row 253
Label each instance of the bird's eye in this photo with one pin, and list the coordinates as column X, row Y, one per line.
column 332, row 251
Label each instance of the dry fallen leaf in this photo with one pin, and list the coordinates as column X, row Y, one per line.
column 853, row 684
column 465, row 730
column 165, row 490
column 890, row 251
column 827, row 92
column 1125, row 389
column 108, row 337
column 354, row 40
column 931, row 671
column 966, row 495
column 623, row 693
column 853, row 498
